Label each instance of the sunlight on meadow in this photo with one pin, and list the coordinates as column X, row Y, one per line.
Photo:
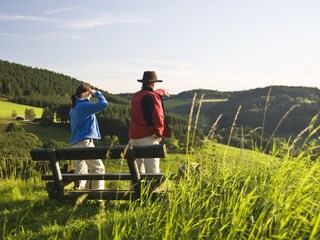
column 257, row 197
column 8, row 107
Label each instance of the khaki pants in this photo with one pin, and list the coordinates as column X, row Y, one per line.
column 147, row 165
column 83, row 166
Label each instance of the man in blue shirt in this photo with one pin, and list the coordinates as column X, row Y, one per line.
column 84, row 128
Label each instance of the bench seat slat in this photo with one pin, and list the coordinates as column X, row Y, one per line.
column 67, row 177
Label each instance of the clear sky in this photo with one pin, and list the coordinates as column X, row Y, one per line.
column 224, row 45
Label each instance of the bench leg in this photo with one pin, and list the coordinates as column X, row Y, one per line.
column 56, row 172
column 133, row 168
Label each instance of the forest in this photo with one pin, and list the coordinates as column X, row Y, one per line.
column 52, row 91
column 279, row 112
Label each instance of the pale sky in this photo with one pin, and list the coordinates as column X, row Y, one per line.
column 224, row 45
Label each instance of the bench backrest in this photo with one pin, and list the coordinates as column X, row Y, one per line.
column 130, row 153
column 100, row 152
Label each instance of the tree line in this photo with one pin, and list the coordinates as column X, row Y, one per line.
column 286, row 109
column 52, row 91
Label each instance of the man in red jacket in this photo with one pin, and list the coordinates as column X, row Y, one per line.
column 148, row 123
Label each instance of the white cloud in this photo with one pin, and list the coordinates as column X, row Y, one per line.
column 13, row 35
column 120, row 75
column 52, row 36
column 46, row 36
column 62, row 9
column 76, row 24
column 103, row 20
column 16, row 17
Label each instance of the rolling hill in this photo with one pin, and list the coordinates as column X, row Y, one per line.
column 286, row 109
column 300, row 104
column 47, row 89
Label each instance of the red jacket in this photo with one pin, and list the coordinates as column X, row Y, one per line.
column 147, row 115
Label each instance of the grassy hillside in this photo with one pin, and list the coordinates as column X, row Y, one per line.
column 279, row 100
column 43, row 88
column 229, row 198
column 174, row 103
column 46, row 133
column 3, row 125
column 232, row 153
column 8, row 107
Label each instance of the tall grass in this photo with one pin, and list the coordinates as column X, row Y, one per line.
column 189, row 125
column 279, row 123
column 261, row 197
column 265, row 114
column 231, row 131
column 20, row 168
column 196, row 120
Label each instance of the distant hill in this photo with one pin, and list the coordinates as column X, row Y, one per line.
column 210, row 94
column 40, row 87
column 47, row 89
column 43, row 88
column 253, row 103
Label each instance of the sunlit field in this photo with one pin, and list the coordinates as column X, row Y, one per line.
column 8, row 107
column 228, row 196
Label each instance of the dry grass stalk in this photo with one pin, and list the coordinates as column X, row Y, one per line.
column 280, row 122
column 291, row 148
column 312, row 131
column 251, row 131
column 196, row 121
column 265, row 114
column 233, row 125
column 213, row 127
column 190, row 123
column 79, row 201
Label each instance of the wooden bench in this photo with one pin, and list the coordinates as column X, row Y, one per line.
column 56, row 188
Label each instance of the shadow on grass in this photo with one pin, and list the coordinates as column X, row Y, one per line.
column 36, row 212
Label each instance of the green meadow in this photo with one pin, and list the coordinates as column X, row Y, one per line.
column 46, row 133
column 223, row 193
column 214, row 100
column 230, row 196
column 8, row 107
column 172, row 103
column 3, row 125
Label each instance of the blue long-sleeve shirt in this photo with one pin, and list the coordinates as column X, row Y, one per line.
column 83, row 120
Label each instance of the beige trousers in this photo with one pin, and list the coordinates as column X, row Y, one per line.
column 84, row 166
column 147, row 165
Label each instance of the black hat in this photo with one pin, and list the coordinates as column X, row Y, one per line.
column 149, row 76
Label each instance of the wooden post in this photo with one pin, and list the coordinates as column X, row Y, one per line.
column 135, row 175
column 56, row 172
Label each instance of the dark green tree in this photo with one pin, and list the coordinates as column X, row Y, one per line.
column 47, row 117
column 14, row 114
column 15, row 127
